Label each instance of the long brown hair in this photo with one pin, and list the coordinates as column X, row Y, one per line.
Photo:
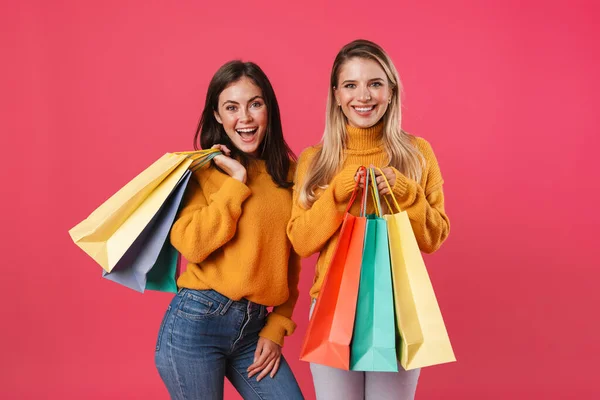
column 274, row 150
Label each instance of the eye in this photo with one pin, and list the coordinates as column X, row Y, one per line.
column 256, row 104
column 349, row 85
column 376, row 84
column 231, row 108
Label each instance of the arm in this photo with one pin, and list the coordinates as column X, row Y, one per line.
column 279, row 322
column 424, row 205
column 205, row 225
column 309, row 229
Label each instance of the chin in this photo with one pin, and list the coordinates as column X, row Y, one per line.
column 364, row 124
column 248, row 149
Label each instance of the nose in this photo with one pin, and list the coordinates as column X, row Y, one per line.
column 364, row 94
column 246, row 115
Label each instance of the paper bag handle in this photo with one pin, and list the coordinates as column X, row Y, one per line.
column 355, row 192
column 391, row 194
column 375, row 193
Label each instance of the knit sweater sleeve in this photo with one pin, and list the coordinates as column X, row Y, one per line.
column 424, row 205
column 279, row 322
column 206, row 223
column 310, row 229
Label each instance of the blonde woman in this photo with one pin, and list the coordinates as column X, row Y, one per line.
column 363, row 128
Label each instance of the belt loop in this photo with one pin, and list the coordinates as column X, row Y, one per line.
column 226, row 307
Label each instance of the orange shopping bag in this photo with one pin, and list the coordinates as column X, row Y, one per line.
column 329, row 333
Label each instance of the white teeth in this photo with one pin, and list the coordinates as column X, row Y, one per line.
column 364, row 109
column 246, row 130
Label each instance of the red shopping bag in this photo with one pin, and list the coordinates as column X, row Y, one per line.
column 329, row 333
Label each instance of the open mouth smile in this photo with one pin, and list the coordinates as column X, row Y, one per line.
column 363, row 109
column 247, row 134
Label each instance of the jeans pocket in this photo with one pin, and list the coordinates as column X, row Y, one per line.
column 162, row 328
column 195, row 306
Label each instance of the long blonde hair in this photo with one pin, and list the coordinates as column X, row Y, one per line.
column 402, row 153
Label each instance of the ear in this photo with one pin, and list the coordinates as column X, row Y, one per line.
column 337, row 99
column 218, row 117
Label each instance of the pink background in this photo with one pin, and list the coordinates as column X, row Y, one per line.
column 93, row 92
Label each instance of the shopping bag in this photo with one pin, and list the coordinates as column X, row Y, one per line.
column 111, row 229
column 329, row 333
column 163, row 275
column 152, row 251
column 374, row 343
column 422, row 337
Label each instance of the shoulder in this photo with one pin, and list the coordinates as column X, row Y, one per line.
column 423, row 146
column 307, row 156
column 432, row 176
column 305, row 160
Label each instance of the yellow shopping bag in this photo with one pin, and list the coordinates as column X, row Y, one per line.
column 422, row 337
column 107, row 233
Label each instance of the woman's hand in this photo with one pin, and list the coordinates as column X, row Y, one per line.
column 360, row 178
column 267, row 358
column 232, row 167
column 382, row 187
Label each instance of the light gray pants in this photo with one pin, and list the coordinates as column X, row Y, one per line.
column 338, row 384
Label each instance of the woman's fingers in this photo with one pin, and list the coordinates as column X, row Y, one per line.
column 224, row 149
column 267, row 369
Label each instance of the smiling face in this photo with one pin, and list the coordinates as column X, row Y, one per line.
column 243, row 113
column 363, row 92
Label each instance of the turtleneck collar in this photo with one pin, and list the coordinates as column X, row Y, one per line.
column 364, row 139
column 256, row 166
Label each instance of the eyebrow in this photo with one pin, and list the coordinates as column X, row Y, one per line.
column 252, row 99
column 354, row 80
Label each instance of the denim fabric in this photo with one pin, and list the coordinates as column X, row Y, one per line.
column 205, row 337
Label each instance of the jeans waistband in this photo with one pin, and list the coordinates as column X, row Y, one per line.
column 242, row 304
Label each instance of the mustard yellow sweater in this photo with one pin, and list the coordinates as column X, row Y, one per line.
column 317, row 229
column 234, row 238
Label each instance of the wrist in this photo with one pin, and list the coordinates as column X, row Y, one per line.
column 240, row 176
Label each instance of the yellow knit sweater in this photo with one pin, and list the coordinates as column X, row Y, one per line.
column 317, row 229
column 234, row 238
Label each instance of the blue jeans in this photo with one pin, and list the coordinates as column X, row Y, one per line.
column 205, row 337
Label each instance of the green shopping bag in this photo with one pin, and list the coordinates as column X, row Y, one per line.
column 373, row 345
